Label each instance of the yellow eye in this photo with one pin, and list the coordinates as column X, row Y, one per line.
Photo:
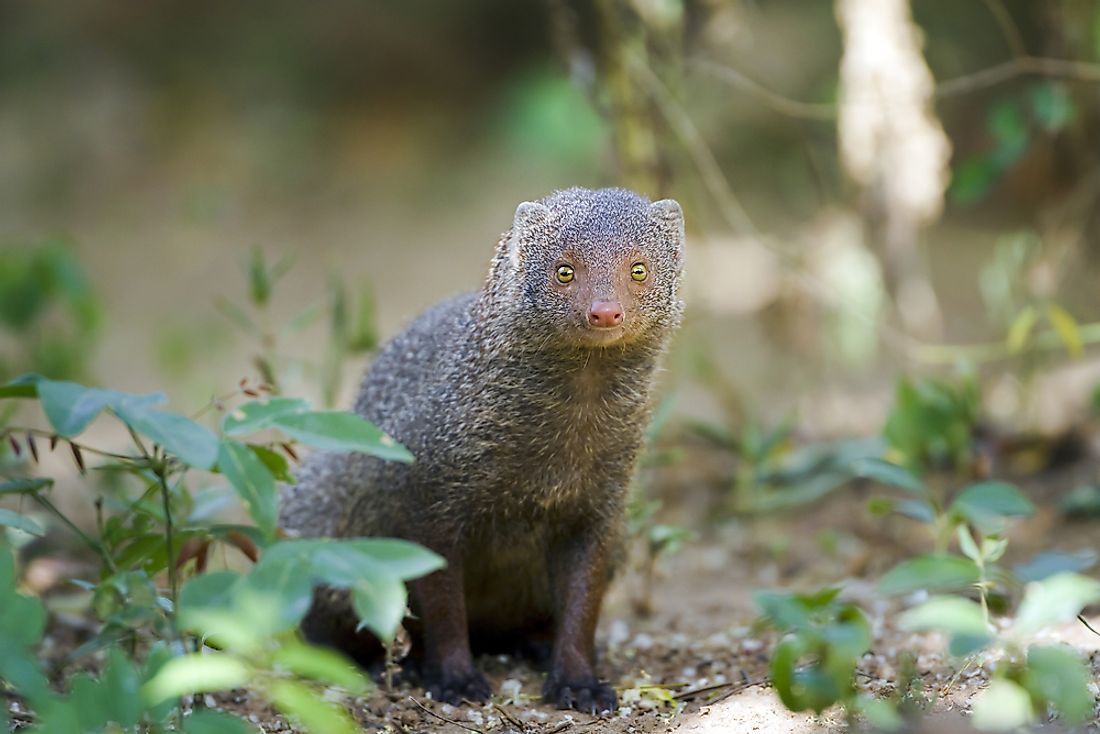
column 639, row 272
column 565, row 274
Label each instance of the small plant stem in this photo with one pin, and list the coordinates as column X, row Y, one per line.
column 169, row 537
column 137, row 441
column 50, row 434
column 983, row 591
column 97, row 547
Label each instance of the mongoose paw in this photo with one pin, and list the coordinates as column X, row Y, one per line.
column 455, row 688
column 591, row 696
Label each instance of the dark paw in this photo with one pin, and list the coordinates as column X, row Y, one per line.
column 589, row 696
column 455, row 688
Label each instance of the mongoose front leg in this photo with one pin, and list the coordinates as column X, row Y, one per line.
column 449, row 673
column 579, row 566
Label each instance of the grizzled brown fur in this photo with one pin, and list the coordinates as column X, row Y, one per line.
column 526, row 422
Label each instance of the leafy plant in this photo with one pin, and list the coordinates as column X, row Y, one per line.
column 47, row 310
column 932, row 423
column 248, row 619
column 1030, row 678
column 813, row 666
column 1046, row 108
column 351, row 323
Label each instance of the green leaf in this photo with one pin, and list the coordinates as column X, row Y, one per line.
column 120, row 690
column 917, row 510
column 25, row 486
column 88, row 700
column 196, row 673
column 1055, row 600
column 12, row 519
column 1059, row 676
column 320, row 664
column 967, row 545
column 931, row 572
column 889, row 474
column 1052, row 105
column 960, row 618
column 289, row 581
column 1004, row 705
column 986, row 503
column 341, row 431
column 208, row 590
column 782, row 610
column 305, row 707
column 880, row 714
column 784, row 659
column 1067, row 328
column 258, row 415
column 22, row 618
column 275, row 462
column 215, row 722
column 70, row 407
column 972, row 179
column 24, row 386
column 253, row 483
column 1021, row 329
column 1049, row 563
column 400, row 558
column 194, row 445
column 259, row 281
column 380, row 603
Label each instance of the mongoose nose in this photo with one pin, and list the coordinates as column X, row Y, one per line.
column 605, row 314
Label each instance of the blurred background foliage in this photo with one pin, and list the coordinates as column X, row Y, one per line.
column 148, row 150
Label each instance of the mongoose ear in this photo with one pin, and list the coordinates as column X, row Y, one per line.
column 668, row 211
column 530, row 217
column 669, row 217
column 530, row 213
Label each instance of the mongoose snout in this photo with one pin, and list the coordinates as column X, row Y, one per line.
column 605, row 314
column 501, row 395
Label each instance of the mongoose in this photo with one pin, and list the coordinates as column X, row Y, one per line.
column 524, row 404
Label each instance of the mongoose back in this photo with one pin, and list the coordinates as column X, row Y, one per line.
column 524, row 404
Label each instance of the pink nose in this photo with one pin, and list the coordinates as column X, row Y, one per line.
column 605, row 314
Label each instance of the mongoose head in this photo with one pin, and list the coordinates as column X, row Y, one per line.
column 591, row 268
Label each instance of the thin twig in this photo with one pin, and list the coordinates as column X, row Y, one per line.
column 516, row 723
column 169, row 531
column 428, row 711
column 1008, row 27
column 777, row 102
column 99, row 549
column 1018, row 65
column 562, row 727
column 1088, row 626
column 709, row 169
column 730, row 687
column 1081, row 71
column 51, row 434
column 995, row 351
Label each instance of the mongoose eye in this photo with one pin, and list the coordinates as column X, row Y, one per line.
column 639, row 272
column 565, row 274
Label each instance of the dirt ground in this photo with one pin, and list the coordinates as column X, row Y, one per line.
column 698, row 663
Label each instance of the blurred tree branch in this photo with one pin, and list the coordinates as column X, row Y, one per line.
column 1067, row 69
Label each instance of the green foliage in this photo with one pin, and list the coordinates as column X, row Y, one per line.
column 977, row 517
column 351, row 326
column 250, row 619
column 773, row 475
column 48, row 314
column 1045, row 108
column 813, row 667
column 932, row 422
